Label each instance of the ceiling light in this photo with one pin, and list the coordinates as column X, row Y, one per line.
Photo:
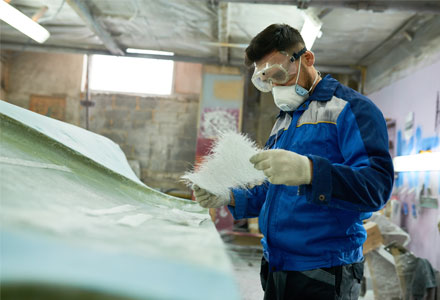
column 230, row 45
column 22, row 23
column 145, row 51
column 311, row 29
column 428, row 161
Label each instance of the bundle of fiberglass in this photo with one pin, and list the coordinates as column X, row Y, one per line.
column 227, row 166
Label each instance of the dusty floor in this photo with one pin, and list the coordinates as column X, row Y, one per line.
column 246, row 261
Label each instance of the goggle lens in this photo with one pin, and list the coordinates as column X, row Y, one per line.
column 277, row 69
column 263, row 78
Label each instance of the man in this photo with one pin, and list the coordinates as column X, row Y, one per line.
column 328, row 167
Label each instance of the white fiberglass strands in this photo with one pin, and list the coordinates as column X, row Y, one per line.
column 227, row 166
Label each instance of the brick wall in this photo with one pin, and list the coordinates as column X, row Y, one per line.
column 157, row 131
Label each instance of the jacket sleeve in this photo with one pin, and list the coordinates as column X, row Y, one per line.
column 248, row 202
column 364, row 180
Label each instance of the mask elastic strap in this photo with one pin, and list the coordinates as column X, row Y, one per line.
column 299, row 70
column 314, row 81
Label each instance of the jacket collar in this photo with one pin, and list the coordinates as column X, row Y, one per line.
column 325, row 89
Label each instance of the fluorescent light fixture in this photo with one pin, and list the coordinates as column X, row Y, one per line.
column 311, row 29
column 229, row 45
column 145, row 51
column 22, row 23
column 428, row 161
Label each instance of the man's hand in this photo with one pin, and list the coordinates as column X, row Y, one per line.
column 208, row 200
column 283, row 167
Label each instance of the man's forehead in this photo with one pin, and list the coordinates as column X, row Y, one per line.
column 270, row 55
column 275, row 57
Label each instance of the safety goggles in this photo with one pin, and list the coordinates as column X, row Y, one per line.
column 277, row 69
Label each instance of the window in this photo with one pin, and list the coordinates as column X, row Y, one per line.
column 131, row 75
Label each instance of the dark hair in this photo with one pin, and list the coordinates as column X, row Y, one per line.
column 279, row 37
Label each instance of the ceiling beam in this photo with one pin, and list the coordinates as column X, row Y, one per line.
column 392, row 41
column 223, row 32
column 61, row 49
column 202, row 60
column 432, row 6
column 422, row 49
column 82, row 8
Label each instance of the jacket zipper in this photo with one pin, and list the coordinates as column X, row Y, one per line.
column 283, row 140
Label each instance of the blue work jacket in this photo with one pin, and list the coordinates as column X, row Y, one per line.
column 320, row 225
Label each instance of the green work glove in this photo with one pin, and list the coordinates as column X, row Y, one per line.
column 283, row 167
column 208, row 200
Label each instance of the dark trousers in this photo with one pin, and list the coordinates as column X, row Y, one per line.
column 341, row 283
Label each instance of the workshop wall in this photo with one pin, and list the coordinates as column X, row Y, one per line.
column 4, row 82
column 259, row 112
column 54, row 78
column 268, row 113
column 156, row 133
column 417, row 93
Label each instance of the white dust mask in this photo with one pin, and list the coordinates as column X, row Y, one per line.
column 289, row 98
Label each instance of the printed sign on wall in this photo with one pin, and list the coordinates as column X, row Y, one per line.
column 220, row 111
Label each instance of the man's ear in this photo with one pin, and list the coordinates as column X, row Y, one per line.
column 309, row 58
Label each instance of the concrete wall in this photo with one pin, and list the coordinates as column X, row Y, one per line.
column 267, row 117
column 259, row 113
column 158, row 132
column 187, row 78
column 417, row 93
column 46, row 74
column 4, row 82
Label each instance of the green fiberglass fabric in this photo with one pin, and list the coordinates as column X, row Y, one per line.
column 73, row 218
column 94, row 146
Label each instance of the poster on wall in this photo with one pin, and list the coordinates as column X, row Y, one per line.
column 220, row 111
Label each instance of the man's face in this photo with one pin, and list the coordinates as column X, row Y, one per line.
column 275, row 69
